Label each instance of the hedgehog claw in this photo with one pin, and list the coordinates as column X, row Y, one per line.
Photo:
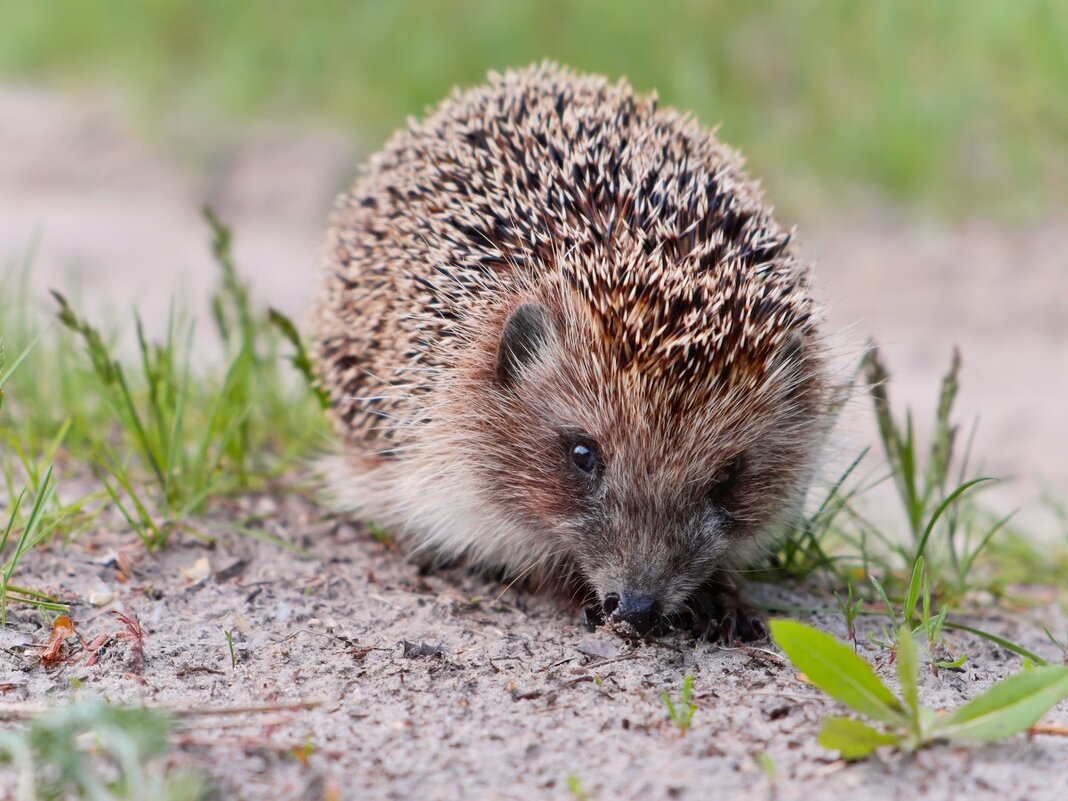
column 592, row 616
column 722, row 615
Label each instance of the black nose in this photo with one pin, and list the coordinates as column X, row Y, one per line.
column 633, row 608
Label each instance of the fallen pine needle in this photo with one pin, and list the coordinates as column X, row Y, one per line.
column 603, row 662
column 22, row 712
column 245, row 710
column 245, row 743
column 1049, row 728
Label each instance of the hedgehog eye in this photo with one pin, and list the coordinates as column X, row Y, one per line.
column 583, row 456
column 724, row 480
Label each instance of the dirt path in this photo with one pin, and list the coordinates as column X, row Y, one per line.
column 520, row 697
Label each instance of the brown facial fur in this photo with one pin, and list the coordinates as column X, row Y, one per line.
column 677, row 334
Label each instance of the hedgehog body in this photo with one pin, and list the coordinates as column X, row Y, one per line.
column 563, row 335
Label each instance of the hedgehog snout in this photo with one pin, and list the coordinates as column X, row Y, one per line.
column 634, row 609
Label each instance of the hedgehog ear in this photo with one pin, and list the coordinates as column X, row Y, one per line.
column 526, row 333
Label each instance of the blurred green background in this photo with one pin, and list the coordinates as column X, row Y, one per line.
column 958, row 107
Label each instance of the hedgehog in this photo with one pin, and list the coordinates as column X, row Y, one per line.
column 564, row 340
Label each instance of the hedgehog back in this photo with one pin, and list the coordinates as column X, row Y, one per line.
column 545, row 176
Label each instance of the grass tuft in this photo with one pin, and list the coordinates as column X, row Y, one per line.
column 681, row 711
column 99, row 752
column 35, row 527
column 170, row 429
column 943, row 552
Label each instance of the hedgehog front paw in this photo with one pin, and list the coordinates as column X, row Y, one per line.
column 721, row 614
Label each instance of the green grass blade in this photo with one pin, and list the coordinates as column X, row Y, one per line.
column 266, row 536
column 110, row 373
column 912, row 595
column 151, row 534
column 135, row 526
column 11, row 520
column 921, row 546
column 908, row 668
column 984, row 541
column 148, row 450
column 835, row 669
column 670, row 705
column 1008, row 645
column 300, row 358
column 878, row 377
column 1010, row 706
column 24, row 595
column 5, row 375
column 945, row 433
column 29, row 537
column 885, row 599
column 913, row 502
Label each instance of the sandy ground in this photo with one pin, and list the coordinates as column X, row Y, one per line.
column 520, row 696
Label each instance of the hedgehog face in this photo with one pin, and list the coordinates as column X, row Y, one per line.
column 645, row 496
column 680, row 500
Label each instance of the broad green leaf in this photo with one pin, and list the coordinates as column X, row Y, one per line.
column 835, row 669
column 852, row 738
column 928, row 719
column 1010, row 706
column 907, row 670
